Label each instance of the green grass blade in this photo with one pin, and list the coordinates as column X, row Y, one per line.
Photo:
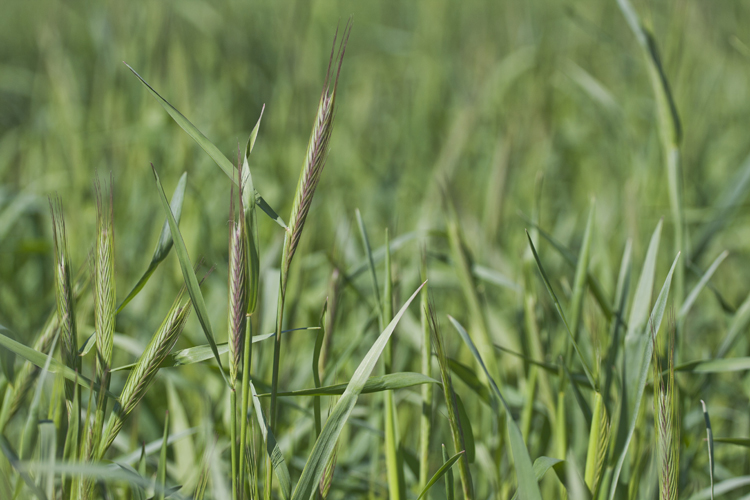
column 710, row 443
column 579, row 281
column 191, row 281
column 40, row 359
column 439, row 473
column 547, row 283
column 596, row 287
column 371, row 262
column 272, row 448
column 164, row 245
column 738, row 325
column 701, row 284
column 217, row 156
column 528, row 489
column 326, row 442
column 715, row 365
column 736, row 441
column 641, row 350
column 378, row 383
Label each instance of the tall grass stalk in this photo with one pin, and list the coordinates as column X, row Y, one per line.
column 312, row 168
column 425, row 419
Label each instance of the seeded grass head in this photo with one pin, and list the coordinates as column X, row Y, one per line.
column 666, row 420
column 238, row 292
column 64, row 293
column 317, row 148
column 104, row 280
column 142, row 375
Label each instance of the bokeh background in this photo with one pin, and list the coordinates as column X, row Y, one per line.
column 482, row 102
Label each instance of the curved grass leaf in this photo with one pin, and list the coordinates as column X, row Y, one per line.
column 701, row 284
column 722, row 488
column 379, row 383
column 439, row 473
column 164, row 245
column 738, row 325
column 715, row 365
column 40, row 359
column 207, row 146
column 547, row 283
column 528, row 489
column 191, row 281
column 326, row 442
column 544, row 464
column 738, row 441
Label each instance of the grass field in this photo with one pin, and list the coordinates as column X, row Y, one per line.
column 522, row 272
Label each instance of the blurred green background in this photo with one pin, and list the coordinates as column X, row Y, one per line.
column 473, row 100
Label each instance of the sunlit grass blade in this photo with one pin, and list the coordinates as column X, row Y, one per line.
column 710, row 444
column 528, row 489
column 640, row 350
column 745, row 442
column 439, row 473
column 715, row 365
column 701, row 284
column 164, row 245
column 448, row 475
column 324, row 445
column 547, row 283
column 191, row 281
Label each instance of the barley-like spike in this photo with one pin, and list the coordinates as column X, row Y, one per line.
column 237, row 287
column 104, row 283
column 142, row 376
column 665, row 422
column 317, row 148
column 64, row 294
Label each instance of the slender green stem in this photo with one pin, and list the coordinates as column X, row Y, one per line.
column 245, row 404
column 427, row 391
column 276, row 356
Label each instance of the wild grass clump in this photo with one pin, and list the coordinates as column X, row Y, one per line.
column 557, row 376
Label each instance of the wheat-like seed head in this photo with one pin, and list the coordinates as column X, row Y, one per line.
column 327, row 479
column 666, row 424
column 237, row 289
column 142, row 376
column 64, row 294
column 104, row 282
column 317, row 149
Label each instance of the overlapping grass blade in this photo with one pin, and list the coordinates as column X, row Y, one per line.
column 191, row 281
column 701, row 284
column 439, row 473
column 547, row 283
column 378, row 383
column 164, row 245
column 40, row 359
column 528, row 489
column 207, row 146
column 324, row 445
